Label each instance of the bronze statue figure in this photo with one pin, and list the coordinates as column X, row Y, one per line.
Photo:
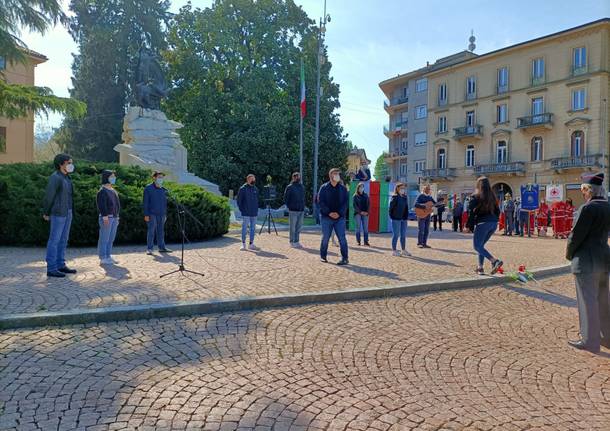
column 151, row 86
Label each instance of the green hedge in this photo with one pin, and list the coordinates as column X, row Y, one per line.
column 22, row 188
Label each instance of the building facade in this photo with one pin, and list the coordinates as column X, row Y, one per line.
column 535, row 112
column 17, row 135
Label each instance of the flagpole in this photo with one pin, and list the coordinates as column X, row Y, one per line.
column 301, row 134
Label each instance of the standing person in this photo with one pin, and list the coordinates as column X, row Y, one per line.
column 109, row 207
column 508, row 207
column 516, row 218
column 589, row 252
column 439, row 209
column 423, row 224
column 155, row 213
column 399, row 214
column 569, row 214
column 525, row 220
column 362, row 204
column 364, row 173
column 333, row 200
column 483, row 220
column 247, row 201
column 458, row 209
column 294, row 197
column 542, row 217
column 57, row 208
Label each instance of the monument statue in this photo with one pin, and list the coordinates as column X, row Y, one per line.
column 150, row 139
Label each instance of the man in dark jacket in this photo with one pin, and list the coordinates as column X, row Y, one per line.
column 423, row 224
column 437, row 217
column 57, row 208
column 333, row 201
column 458, row 210
column 590, row 255
column 294, row 197
column 155, row 213
column 247, row 202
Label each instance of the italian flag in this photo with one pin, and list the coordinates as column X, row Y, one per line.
column 303, row 104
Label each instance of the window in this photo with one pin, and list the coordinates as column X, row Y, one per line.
column 503, row 80
column 501, row 113
column 470, row 119
column 470, row 156
column 502, row 152
column 579, row 60
column 536, row 149
column 442, row 94
column 578, row 99
column 420, row 165
column 441, row 161
column 442, row 124
column 403, row 169
column 537, row 110
column 420, row 138
column 578, row 144
column 404, row 143
column 421, row 111
column 537, row 70
column 2, row 63
column 421, row 85
column 471, row 87
column 405, row 92
column 404, row 116
column 2, row 139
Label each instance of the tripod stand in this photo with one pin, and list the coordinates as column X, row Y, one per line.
column 268, row 221
column 182, row 211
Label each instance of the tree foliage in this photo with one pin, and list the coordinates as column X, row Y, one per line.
column 235, row 68
column 17, row 100
column 381, row 168
column 109, row 34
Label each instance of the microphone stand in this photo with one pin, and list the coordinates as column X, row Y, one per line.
column 182, row 211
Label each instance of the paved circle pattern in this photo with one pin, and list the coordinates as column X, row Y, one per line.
column 475, row 359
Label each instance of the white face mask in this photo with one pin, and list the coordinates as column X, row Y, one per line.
column 402, row 192
column 336, row 178
column 70, row 168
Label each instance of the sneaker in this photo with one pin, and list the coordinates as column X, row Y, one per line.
column 323, row 260
column 405, row 253
column 427, row 246
column 292, row 245
column 496, row 265
column 164, row 250
column 114, row 261
column 106, row 261
column 149, row 252
column 420, row 246
column 56, row 274
column 359, row 243
column 343, row 262
column 67, row 270
column 243, row 246
column 395, row 253
column 480, row 271
column 366, row 244
column 253, row 247
column 298, row 245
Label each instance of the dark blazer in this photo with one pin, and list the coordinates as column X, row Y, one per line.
column 294, row 197
column 247, row 200
column 588, row 242
column 333, row 199
column 399, row 207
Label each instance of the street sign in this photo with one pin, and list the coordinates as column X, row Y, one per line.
column 530, row 197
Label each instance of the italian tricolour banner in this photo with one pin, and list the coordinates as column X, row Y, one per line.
column 303, row 104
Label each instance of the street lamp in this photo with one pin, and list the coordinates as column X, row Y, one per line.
column 321, row 31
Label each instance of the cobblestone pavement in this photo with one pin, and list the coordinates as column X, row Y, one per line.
column 230, row 273
column 474, row 359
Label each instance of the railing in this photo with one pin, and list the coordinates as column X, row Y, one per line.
column 500, row 168
column 576, row 162
column 400, row 124
column 502, row 89
column 396, row 154
column 386, row 130
column 396, row 101
column 462, row 132
column 538, row 80
column 442, row 102
column 535, row 120
column 439, row 173
column 471, row 96
column 579, row 70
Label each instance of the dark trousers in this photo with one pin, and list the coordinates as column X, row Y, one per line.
column 437, row 219
column 517, row 225
column 593, row 308
column 423, row 225
column 156, row 229
column 458, row 222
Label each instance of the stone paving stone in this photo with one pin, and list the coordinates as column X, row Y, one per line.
column 229, row 273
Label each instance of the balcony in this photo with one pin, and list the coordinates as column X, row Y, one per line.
column 395, row 154
column 390, row 105
column 579, row 70
column 582, row 162
column 535, row 121
column 501, row 89
column 538, row 80
column 513, row 168
column 447, row 174
column 471, row 96
column 475, row 131
column 442, row 102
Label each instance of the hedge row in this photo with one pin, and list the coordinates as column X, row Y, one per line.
column 22, row 188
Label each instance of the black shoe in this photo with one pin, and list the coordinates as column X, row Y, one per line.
column 496, row 265
column 580, row 345
column 427, row 246
column 164, row 250
column 67, row 270
column 359, row 243
column 55, row 274
column 367, row 244
column 323, row 260
column 343, row 262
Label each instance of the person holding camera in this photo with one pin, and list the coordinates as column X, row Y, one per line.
column 247, row 202
column 155, row 213
column 333, row 202
column 108, row 206
column 294, row 197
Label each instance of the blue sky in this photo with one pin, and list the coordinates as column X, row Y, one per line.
column 372, row 40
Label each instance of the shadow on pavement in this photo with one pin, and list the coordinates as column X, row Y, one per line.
column 544, row 295
column 434, row 261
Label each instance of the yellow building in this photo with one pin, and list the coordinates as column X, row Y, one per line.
column 355, row 159
column 17, row 136
column 534, row 112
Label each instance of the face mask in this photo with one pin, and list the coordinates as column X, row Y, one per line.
column 402, row 192
column 112, row 180
column 336, row 178
column 70, row 168
column 252, row 183
column 360, row 190
column 159, row 182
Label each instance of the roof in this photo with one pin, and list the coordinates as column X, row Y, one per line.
column 35, row 55
column 360, row 153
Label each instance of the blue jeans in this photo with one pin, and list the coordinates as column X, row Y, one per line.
column 328, row 225
column 423, row 225
column 245, row 222
column 399, row 228
column 482, row 234
column 155, row 227
column 362, row 224
column 107, row 236
column 517, row 225
column 295, row 219
column 58, row 241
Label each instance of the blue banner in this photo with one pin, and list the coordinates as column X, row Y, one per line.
column 530, row 197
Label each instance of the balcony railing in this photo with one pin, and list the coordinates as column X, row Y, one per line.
column 468, row 131
column 386, row 130
column 399, row 125
column 442, row 102
column 502, row 89
column 538, row 80
column 577, row 162
column 545, row 119
column 500, row 168
column 387, row 104
column 579, row 70
column 446, row 173
column 471, row 96
column 397, row 154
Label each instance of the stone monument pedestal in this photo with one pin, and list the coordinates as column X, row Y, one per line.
column 150, row 140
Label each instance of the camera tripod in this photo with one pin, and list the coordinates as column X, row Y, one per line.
column 268, row 221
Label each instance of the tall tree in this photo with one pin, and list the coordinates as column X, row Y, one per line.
column 110, row 34
column 236, row 71
column 381, row 167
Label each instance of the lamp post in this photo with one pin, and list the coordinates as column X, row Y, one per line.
column 321, row 31
column 604, row 133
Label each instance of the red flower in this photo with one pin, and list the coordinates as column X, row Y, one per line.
column 521, row 268
column 501, row 270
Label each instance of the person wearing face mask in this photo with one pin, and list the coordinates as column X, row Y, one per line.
column 333, row 202
column 364, row 173
column 108, row 206
column 294, row 197
column 361, row 203
column 589, row 253
column 424, row 202
column 155, row 213
column 247, row 201
column 399, row 214
column 57, row 208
